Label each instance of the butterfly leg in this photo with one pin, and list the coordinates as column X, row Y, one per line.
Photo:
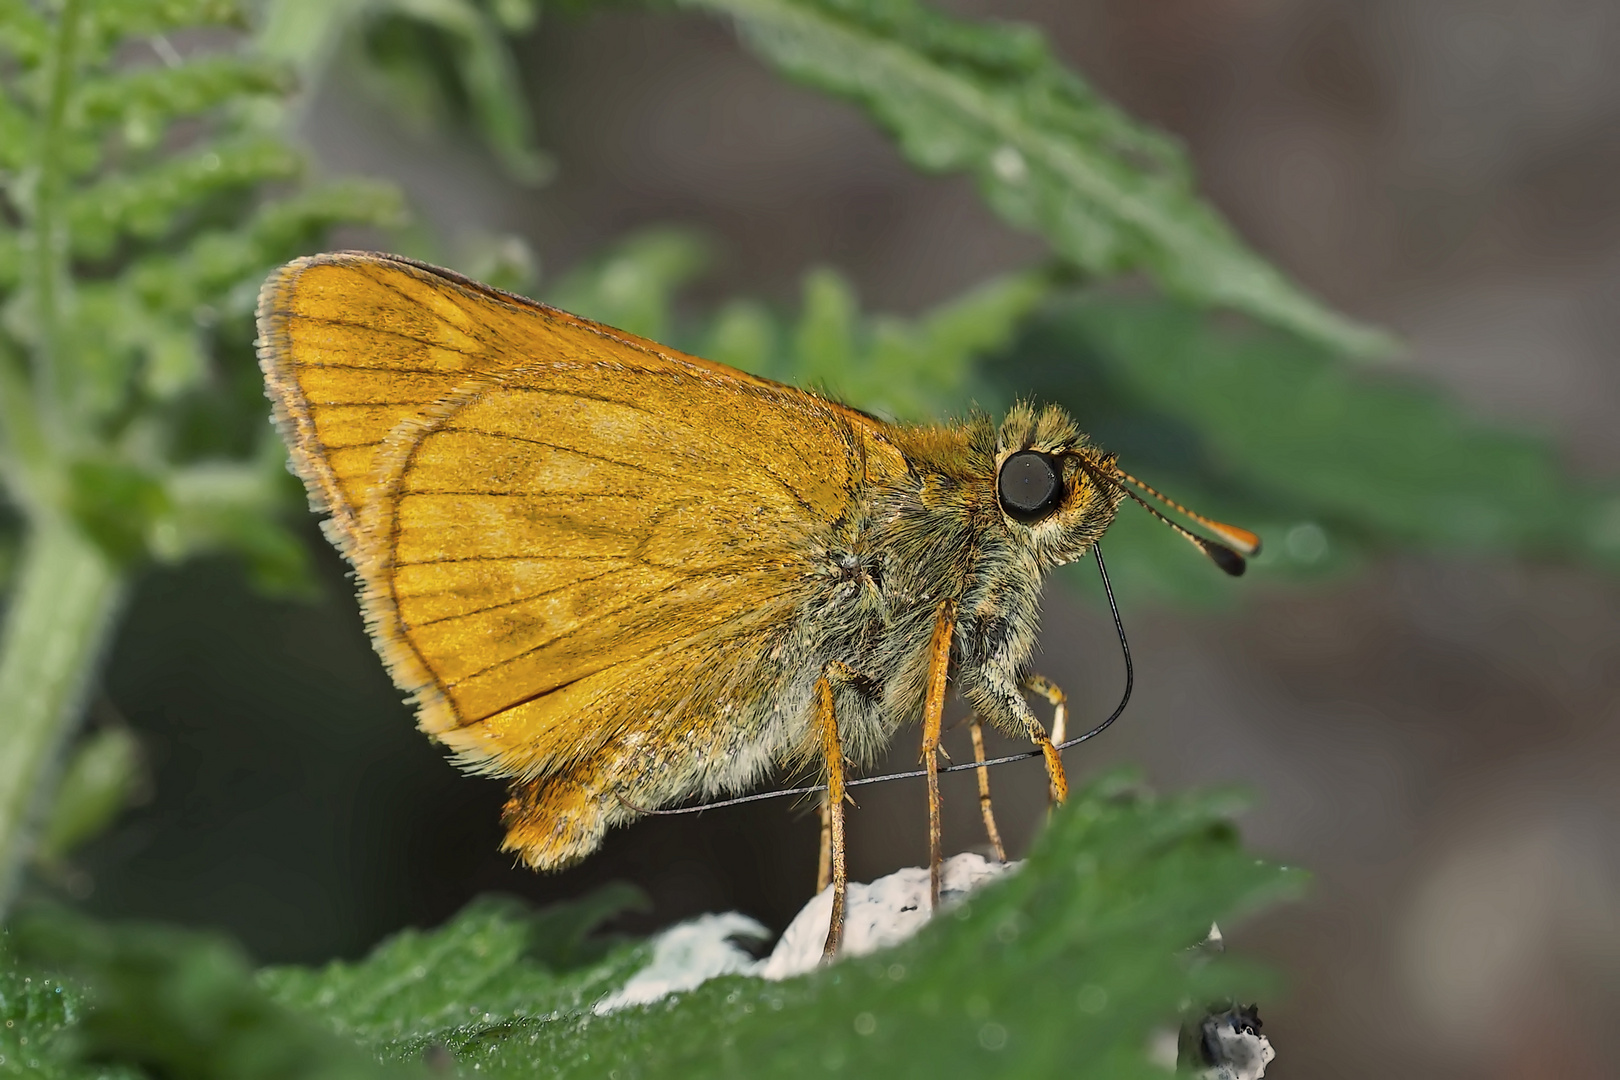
column 824, row 863
column 832, row 751
column 976, row 727
column 939, row 662
column 1049, row 690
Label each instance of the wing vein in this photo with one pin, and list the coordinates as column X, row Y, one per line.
column 373, row 328
column 503, row 603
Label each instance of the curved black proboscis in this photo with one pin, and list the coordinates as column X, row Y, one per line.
column 1124, row 699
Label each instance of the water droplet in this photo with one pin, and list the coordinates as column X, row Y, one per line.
column 865, row 1023
column 992, row 1036
column 1306, row 542
column 1092, row 999
column 897, row 972
column 1009, row 164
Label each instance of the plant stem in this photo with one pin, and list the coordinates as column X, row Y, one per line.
column 49, row 243
column 60, row 615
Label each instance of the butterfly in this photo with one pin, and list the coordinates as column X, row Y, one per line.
column 620, row 576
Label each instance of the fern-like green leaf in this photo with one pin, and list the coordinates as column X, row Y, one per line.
column 140, row 104
column 110, row 23
column 25, row 34
column 148, row 204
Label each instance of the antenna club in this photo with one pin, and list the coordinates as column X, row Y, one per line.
column 1225, row 558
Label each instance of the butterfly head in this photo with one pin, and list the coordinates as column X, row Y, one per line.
column 1060, row 493
column 1050, row 484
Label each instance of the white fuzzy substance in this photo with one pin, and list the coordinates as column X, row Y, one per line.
column 688, row 955
column 1246, row 1054
column 884, row 913
column 878, row 915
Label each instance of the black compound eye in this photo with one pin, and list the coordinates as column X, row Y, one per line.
column 1029, row 485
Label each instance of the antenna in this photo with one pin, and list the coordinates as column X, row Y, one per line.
column 1230, row 559
column 1245, row 541
column 1221, row 555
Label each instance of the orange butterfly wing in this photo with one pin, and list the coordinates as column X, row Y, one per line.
column 576, row 546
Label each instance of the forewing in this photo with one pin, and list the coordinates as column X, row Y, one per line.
column 353, row 344
column 566, row 545
column 565, row 534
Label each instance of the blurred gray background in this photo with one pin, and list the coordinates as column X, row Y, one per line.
column 1434, row 740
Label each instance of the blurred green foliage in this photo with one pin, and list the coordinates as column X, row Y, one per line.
column 1332, row 464
column 1048, row 153
column 136, row 222
column 1070, row 965
column 101, row 779
column 144, row 1000
column 433, row 62
column 907, row 369
column 130, row 258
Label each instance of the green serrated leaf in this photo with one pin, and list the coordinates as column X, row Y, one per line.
column 1049, row 154
column 494, row 963
column 1064, row 968
column 39, row 1015
column 180, row 1004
